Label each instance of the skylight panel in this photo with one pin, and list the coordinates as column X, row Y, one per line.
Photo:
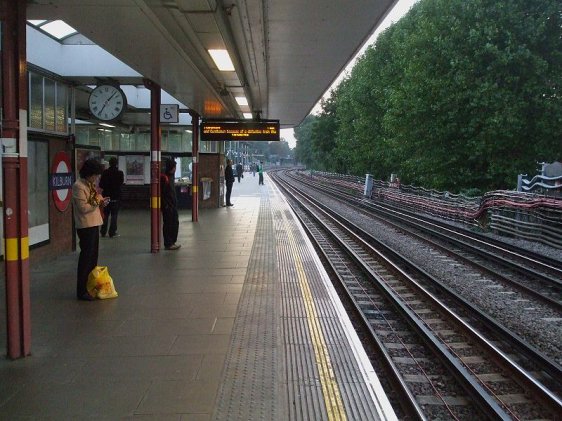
column 58, row 29
column 37, row 22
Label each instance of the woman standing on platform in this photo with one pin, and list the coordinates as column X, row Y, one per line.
column 87, row 204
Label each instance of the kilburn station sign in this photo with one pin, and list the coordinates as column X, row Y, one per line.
column 263, row 130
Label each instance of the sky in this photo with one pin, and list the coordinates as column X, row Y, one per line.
column 399, row 10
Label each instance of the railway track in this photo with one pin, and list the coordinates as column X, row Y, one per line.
column 536, row 277
column 442, row 365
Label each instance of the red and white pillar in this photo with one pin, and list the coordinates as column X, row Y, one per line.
column 14, row 179
column 155, row 158
column 195, row 167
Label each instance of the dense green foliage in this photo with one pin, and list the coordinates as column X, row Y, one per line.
column 261, row 151
column 459, row 94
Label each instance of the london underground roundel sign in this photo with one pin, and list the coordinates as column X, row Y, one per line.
column 60, row 181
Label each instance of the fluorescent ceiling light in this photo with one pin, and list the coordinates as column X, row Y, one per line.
column 248, row 116
column 241, row 100
column 58, row 29
column 37, row 22
column 222, row 60
column 106, row 125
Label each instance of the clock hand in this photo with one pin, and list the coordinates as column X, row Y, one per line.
column 106, row 101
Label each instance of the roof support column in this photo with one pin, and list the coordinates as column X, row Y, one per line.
column 155, row 158
column 195, row 167
column 14, row 177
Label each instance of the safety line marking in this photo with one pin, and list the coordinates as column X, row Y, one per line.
column 155, row 202
column 330, row 387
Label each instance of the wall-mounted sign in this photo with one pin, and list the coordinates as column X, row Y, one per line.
column 61, row 180
column 134, row 169
column 265, row 130
column 169, row 113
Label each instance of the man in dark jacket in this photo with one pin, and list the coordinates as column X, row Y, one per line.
column 229, row 180
column 239, row 171
column 111, row 181
column 169, row 206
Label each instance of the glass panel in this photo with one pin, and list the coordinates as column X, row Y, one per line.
column 49, row 105
column 143, row 142
column 174, row 142
column 186, row 139
column 208, row 147
column 185, row 164
column 35, row 101
column 127, row 142
column 58, row 28
column 38, row 183
column 163, row 141
column 114, row 143
column 61, row 108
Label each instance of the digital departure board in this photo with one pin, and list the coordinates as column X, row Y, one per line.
column 264, row 131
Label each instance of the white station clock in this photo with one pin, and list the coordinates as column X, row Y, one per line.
column 107, row 102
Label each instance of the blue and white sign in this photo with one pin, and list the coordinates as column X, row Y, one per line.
column 169, row 113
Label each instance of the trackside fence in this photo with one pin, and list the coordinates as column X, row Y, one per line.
column 530, row 216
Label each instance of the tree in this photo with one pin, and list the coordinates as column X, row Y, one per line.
column 459, row 94
column 303, row 134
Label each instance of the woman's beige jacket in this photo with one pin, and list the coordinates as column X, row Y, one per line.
column 85, row 214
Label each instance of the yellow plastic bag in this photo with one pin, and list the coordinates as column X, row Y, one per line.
column 100, row 284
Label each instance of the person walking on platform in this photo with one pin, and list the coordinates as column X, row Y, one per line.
column 169, row 207
column 229, row 180
column 260, row 172
column 87, row 203
column 239, row 171
column 254, row 168
column 111, row 181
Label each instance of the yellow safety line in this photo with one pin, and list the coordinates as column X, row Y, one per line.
column 330, row 388
column 16, row 249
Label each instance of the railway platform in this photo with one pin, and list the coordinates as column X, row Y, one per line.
column 241, row 323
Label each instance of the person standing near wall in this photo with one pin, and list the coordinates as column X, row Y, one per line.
column 229, row 180
column 87, row 203
column 169, row 206
column 239, row 171
column 111, row 181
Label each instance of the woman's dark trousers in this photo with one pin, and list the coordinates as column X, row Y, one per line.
column 89, row 247
column 170, row 226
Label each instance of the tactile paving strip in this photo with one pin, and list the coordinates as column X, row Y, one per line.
column 249, row 387
column 324, row 378
column 291, row 356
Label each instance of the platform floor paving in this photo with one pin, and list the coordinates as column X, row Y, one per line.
column 159, row 347
column 158, row 351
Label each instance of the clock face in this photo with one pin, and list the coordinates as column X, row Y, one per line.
column 107, row 102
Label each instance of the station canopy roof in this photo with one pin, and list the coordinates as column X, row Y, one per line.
column 284, row 54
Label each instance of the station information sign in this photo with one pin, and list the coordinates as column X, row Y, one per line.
column 264, row 130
